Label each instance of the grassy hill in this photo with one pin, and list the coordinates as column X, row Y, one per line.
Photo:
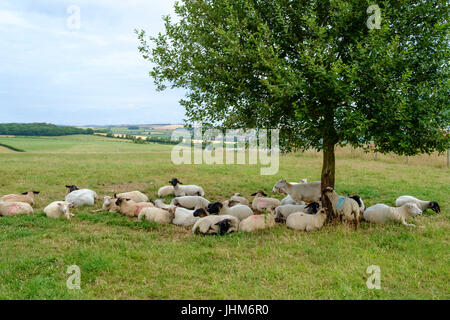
column 121, row 258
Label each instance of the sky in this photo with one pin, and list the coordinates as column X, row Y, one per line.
column 59, row 69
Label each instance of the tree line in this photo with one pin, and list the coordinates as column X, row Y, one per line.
column 41, row 129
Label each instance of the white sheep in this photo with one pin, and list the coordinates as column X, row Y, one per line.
column 131, row 208
column 58, row 209
column 80, row 197
column 307, row 192
column 158, row 215
column 209, row 225
column 423, row 205
column 306, row 222
column 27, row 197
column 345, row 207
column 257, row 222
column 182, row 217
column 381, row 213
column 288, row 199
column 187, row 190
column 190, row 202
column 239, row 211
column 14, row 208
column 239, row 198
column 283, row 211
column 109, row 203
column 165, row 191
column 260, row 202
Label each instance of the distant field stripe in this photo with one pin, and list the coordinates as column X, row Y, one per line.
column 11, row 148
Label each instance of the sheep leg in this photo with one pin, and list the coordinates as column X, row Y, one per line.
column 407, row 224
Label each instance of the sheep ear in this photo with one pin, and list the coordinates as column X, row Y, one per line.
column 59, row 204
column 36, row 192
column 24, row 193
column 254, row 194
column 115, row 195
column 264, row 194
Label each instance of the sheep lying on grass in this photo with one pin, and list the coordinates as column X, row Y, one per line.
column 282, row 212
column 109, row 203
column 188, row 190
column 307, row 192
column 183, row 217
column 158, row 215
column 165, row 191
column 381, row 213
column 239, row 198
column 306, row 222
column 130, row 208
column 58, row 209
column 259, row 202
column 257, row 222
column 27, row 197
column 345, row 207
column 15, row 208
column 80, row 197
column 423, row 205
column 190, row 202
column 209, row 225
column 239, row 211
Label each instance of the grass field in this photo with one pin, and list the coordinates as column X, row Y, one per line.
column 123, row 259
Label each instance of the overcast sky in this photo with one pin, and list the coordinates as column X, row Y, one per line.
column 51, row 72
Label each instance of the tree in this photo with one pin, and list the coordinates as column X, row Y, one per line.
column 314, row 69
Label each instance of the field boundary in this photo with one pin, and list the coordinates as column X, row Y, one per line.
column 11, row 147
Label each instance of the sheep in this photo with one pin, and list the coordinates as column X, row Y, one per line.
column 183, row 217
column 306, row 222
column 188, row 190
column 307, row 192
column 130, row 208
column 239, row 211
column 209, row 225
column 381, row 213
column 27, row 197
column 423, row 205
column 282, row 212
column 80, row 197
column 190, row 202
column 58, row 209
column 158, row 215
column 288, row 199
column 109, row 203
column 259, row 203
column 257, row 222
column 165, row 191
column 344, row 207
column 14, row 208
column 239, row 198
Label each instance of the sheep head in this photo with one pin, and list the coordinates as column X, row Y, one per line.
column 214, row 208
column 71, row 188
column 280, row 186
column 260, row 193
column 174, row 182
column 200, row 213
column 434, row 206
column 312, row 208
column 224, row 226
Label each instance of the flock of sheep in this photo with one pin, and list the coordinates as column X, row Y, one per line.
column 301, row 209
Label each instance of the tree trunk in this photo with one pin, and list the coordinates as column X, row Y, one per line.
column 328, row 171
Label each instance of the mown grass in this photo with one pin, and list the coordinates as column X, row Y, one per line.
column 121, row 258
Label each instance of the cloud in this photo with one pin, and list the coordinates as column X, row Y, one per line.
column 51, row 73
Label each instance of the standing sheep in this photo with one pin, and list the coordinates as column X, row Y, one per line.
column 381, row 213
column 188, row 190
column 259, row 202
column 15, row 208
column 58, row 209
column 423, row 205
column 307, row 192
column 165, row 191
column 257, row 222
column 27, row 197
column 306, row 222
column 345, row 207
